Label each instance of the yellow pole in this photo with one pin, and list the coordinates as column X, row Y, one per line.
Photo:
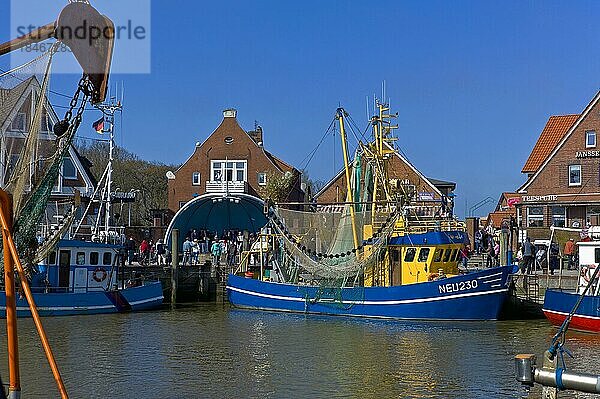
column 32, row 307
column 14, row 387
column 349, row 197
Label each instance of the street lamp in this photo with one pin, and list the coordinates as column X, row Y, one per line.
column 134, row 191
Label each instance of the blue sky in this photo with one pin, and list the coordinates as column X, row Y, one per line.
column 473, row 81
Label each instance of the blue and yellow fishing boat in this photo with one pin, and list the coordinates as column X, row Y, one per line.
column 369, row 256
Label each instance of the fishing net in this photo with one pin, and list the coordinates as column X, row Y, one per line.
column 30, row 169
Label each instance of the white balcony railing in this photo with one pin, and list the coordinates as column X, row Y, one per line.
column 226, row 186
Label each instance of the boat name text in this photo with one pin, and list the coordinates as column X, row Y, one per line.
column 456, row 287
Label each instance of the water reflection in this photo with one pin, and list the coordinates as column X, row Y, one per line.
column 211, row 352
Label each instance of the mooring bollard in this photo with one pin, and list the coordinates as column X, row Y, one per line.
column 174, row 264
column 553, row 379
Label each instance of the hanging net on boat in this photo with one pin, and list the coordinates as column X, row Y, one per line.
column 322, row 244
column 30, row 170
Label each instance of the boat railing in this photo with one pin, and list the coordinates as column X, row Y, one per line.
column 428, row 225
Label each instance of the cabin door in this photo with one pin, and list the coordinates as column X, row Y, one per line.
column 396, row 265
column 64, row 268
column 80, row 279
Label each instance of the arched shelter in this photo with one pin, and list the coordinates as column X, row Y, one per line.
column 218, row 213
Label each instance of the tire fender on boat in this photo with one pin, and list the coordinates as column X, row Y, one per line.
column 99, row 274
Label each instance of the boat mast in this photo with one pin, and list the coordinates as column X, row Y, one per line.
column 109, row 110
column 340, row 115
column 382, row 129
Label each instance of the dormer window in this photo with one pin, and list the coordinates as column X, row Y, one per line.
column 590, row 139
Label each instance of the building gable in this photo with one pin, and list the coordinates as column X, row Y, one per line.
column 556, row 128
column 228, row 142
column 553, row 173
column 399, row 168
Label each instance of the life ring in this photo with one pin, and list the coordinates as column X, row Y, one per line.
column 433, row 276
column 99, row 274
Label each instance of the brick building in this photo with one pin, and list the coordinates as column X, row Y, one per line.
column 431, row 196
column 230, row 160
column 563, row 175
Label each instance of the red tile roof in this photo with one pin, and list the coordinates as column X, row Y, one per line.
column 554, row 131
column 496, row 218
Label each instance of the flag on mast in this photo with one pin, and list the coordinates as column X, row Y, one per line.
column 99, row 125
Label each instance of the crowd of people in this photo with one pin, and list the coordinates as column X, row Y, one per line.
column 224, row 249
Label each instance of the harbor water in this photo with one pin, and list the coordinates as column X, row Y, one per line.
column 212, row 351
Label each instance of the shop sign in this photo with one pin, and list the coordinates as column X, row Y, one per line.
column 540, row 198
column 588, row 154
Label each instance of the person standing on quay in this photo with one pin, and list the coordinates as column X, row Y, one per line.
column 570, row 253
column 527, row 256
column 216, row 252
column 130, row 246
column 187, row 251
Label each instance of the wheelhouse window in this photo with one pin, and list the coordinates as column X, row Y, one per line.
column 424, row 254
column 409, row 256
column 262, row 178
column 447, row 255
column 106, row 258
column 80, row 259
column 93, row 258
column 228, row 170
column 196, row 178
column 437, row 256
column 574, row 175
column 559, row 216
column 69, row 170
column 535, row 216
column 590, row 139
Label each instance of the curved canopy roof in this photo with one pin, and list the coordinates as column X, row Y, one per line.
column 218, row 214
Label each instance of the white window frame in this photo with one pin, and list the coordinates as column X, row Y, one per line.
column 223, row 168
column 572, row 168
column 196, row 179
column 531, row 217
column 588, row 134
column 261, row 178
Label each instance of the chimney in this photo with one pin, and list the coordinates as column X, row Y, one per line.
column 257, row 135
column 230, row 113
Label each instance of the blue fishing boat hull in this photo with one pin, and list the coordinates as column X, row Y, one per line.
column 558, row 305
column 473, row 296
column 145, row 297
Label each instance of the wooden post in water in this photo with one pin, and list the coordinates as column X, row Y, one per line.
column 174, row 264
column 504, row 246
column 14, row 387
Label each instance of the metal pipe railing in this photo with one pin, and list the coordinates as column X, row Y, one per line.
column 10, row 247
